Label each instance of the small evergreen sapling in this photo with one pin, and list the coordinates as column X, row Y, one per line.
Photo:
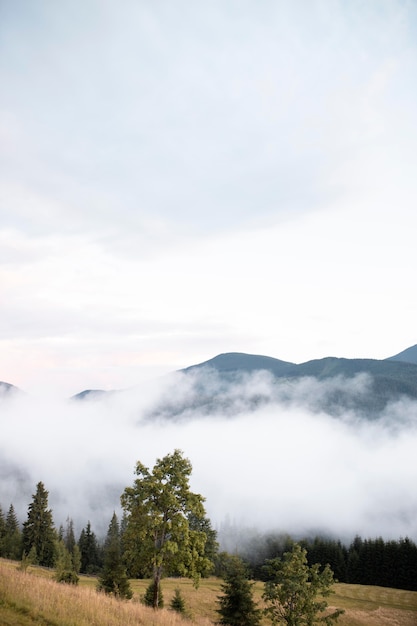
column 237, row 606
column 178, row 603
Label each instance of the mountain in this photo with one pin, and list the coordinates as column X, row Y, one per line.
column 90, row 394
column 223, row 385
column 231, row 362
column 234, row 382
column 7, row 389
column 407, row 356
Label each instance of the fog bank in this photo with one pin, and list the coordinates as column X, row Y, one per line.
column 274, row 466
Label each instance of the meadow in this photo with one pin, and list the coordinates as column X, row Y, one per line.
column 33, row 598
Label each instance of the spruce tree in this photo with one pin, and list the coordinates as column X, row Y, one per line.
column 12, row 541
column 237, row 606
column 148, row 598
column 65, row 570
column 113, row 578
column 38, row 530
column 2, row 530
column 90, row 561
column 178, row 603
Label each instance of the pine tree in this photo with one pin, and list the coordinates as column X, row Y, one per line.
column 38, row 530
column 90, row 561
column 237, row 606
column 178, row 603
column 12, row 541
column 113, row 578
column 148, row 598
column 69, row 537
column 2, row 530
column 64, row 565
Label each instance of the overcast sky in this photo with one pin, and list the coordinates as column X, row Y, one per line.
column 181, row 179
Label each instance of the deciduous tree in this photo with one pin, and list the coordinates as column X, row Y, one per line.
column 158, row 537
column 295, row 594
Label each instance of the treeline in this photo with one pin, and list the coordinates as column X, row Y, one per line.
column 391, row 563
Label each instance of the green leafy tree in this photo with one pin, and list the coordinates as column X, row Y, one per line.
column 12, row 540
column 211, row 548
column 38, row 530
column 237, row 606
column 113, row 579
column 158, row 538
column 295, row 594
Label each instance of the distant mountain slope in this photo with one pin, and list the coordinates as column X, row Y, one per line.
column 7, row 388
column 407, row 356
column 241, row 362
column 232, row 382
column 385, row 381
column 89, row 394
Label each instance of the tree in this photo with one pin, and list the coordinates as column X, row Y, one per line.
column 296, row 593
column 38, row 530
column 113, row 578
column 177, row 602
column 65, row 568
column 158, row 537
column 90, row 561
column 211, row 548
column 12, row 540
column 2, row 530
column 149, row 596
column 237, row 606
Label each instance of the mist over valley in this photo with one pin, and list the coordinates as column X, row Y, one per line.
column 326, row 447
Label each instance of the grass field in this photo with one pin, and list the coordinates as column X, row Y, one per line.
column 34, row 599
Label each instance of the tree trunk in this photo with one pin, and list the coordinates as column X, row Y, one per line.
column 157, row 573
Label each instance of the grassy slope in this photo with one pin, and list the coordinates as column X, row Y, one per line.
column 33, row 599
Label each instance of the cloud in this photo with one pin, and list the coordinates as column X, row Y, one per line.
column 278, row 467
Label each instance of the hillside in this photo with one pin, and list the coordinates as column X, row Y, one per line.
column 407, row 356
column 366, row 386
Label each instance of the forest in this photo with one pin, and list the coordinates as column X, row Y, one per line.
column 164, row 531
column 366, row 561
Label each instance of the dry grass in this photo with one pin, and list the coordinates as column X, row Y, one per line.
column 37, row 600
column 41, row 600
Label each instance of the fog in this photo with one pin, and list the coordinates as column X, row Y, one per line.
column 277, row 464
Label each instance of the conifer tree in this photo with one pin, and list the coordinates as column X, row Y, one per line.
column 113, row 578
column 149, row 596
column 178, row 603
column 12, row 541
column 69, row 537
column 2, row 530
column 237, row 606
column 64, row 564
column 38, row 530
column 90, row 560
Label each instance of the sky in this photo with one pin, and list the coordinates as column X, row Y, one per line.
column 180, row 180
column 183, row 179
